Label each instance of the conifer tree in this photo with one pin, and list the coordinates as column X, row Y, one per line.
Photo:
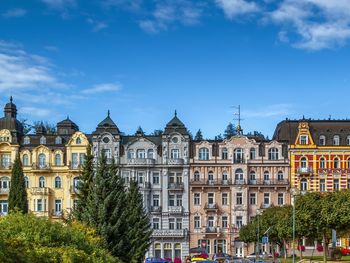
column 139, row 231
column 230, row 131
column 198, row 136
column 18, row 192
column 85, row 187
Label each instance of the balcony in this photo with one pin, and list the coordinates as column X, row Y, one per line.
column 156, row 209
column 40, row 190
column 145, row 185
column 175, row 209
column 240, row 207
column 240, row 182
column 271, row 182
column 41, row 166
column 198, row 182
column 212, row 182
column 141, row 161
column 225, row 182
column 238, row 160
column 176, row 186
column 6, row 166
column 168, row 233
column 304, row 170
column 4, row 191
column 57, row 214
column 75, row 166
column 176, row 161
column 211, row 206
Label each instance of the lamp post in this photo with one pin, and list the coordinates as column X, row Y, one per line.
column 294, row 192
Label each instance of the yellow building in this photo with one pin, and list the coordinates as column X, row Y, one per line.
column 51, row 164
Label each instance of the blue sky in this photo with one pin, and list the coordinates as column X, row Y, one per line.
column 143, row 59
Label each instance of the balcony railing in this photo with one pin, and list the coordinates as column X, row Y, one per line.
column 175, row 209
column 176, row 186
column 210, row 206
column 4, row 190
column 259, row 182
column 168, row 233
column 75, row 166
column 238, row 160
column 58, row 214
column 40, row 190
column 5, row 166
column 156, row 209
column 240, row 182
column 41, row 166
column 304, row 170
column 141, row 161
column 225, row 182
column 176, row 161
column 211, row 230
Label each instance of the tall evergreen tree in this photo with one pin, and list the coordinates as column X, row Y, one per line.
column 230, row 131
column 139, row 232
column 85, row 187
column 18, row 193
column 198, row 136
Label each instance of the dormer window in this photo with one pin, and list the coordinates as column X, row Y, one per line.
column 336, row 140
column 131, row 154
column 150, row 154
column 175, row 154
column 322, row 140
column 42, row 140
column 141, row 153
column 26, row 140
column 78, row 141
column 303, row 139
column 58, row 140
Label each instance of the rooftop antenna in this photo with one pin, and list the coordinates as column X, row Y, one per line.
column 239, row 119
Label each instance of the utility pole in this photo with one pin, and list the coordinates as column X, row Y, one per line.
column 239, row 119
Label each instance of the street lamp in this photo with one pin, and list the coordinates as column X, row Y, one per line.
column 294, row 192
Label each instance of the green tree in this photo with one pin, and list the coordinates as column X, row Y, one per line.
column 230, row 131
column 85, row 187
column 139, row 230
column 18, row 193
column 198, row 136
column 27, row 239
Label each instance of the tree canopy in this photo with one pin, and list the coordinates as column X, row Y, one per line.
column 18, row 193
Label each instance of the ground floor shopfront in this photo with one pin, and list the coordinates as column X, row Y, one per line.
column 169, row 248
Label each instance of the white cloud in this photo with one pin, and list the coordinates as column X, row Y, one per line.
column 276, row 110
column 233, row 8
column 101, row 88
column 59, row 4
column 96, row 25
column 16, row 12
column 52, row 48
column 34, row 111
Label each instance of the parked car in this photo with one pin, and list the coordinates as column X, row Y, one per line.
column 345, row 251
column 156, row 260
column 254, row 255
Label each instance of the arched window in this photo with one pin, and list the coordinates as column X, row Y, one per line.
column 58, row 140
column 42, row 140
column 238, row 155
column 150, row 153
column 336, row 140
column 157, row 250
column 203, row 154
column 303, row 184
column 224, row 154
column 280, row 176
column 26, row 140
column 336, row 163
column 322, row 163
column 26, row 182
column 196, row 176
column 239, row 176
column 25, row 160
column 41, row 182
column 322, row 140
column 78, row 141
column 141, row 153
column 252, row 153
column 131, row 154
column 175, row 154
column 42, row 160
column 57, row 159
column 303, row 162
column 273, row 154
column 5, row 183
column 58, row 183
column 266, row 177
column 252, row 177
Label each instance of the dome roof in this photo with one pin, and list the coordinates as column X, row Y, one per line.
column 107, row 125
column 175, row 125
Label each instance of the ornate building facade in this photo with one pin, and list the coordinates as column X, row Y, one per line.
column 230, row 181
column 51, row 164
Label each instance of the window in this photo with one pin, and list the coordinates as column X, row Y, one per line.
column 57, row 159
column 273, row 154
column 179, row 200
column 303, row 184
column 78, row 141
column 171, row 200
column 303, row 162
column 252, row 154
column 39, row 205
column 58, row 183
column 280, row 199
column 25, row 160
column 26, row 140
column 336, row 184
column 58, row 207
column 266, row 177
column 207, row 244
column 172, row 223
column 322, row 163
column 155, row 200
column 280, row 176
column 210, row 176
column 203, row 154
column 6, row 160
column 224, row 178
column 5, row 184
column 75, row 161
column 224, row 198
column 238, row 155
column 3, row 207
column 348, row 140
column 322, row 140
column 224, row 222
column 196, row 176
column 140, row 177
column 197, row 222
column 107, row 153
column 155, row 178
column 224, row 154
column 239, row 176
column 82, row 158
column 58, row 140
column 336, row 140
column 178, row 223
column 336, row 163
column 42, row 140
column 252, row 198
column 196, row 198
column 252, row 177
column 303, row 139
column 210, row 198
column 155, row 223
column 348, row 163
column 348, row 183
column 175, row 154
column 322, row 185
column 42, row 160
column 239, row 221
column 150, row 154
column 177, row 250
column 26, row 182
column 141, row 154
column 239, row 198
column 168, row 250
column 157, row 250
column 41, row 182
column 220, row 246
column 131, row 154
column 76, row 183
column 210, row 221
column 266, row 199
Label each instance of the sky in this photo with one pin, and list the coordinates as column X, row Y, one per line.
column 144, row 59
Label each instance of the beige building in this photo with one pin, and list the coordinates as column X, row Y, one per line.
column 51, row 164
column 230, row 181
